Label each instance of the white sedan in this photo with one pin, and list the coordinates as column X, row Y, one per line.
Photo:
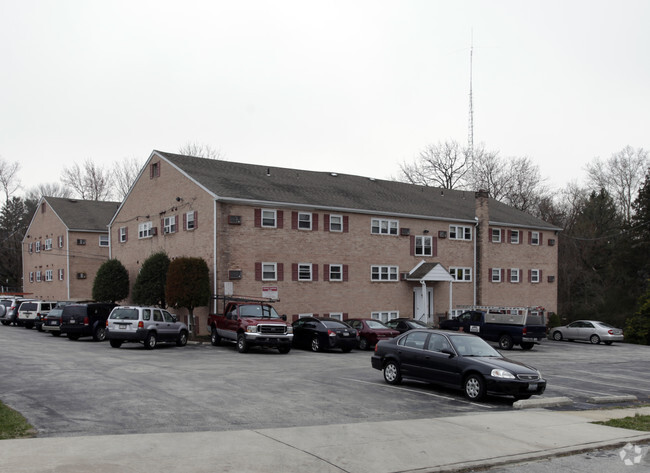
column 592, row 330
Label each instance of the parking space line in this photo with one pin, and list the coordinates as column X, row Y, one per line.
column 595, row 382
column 418, row 392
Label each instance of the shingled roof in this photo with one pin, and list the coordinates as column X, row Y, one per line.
column 83, row 215
column 228, row 180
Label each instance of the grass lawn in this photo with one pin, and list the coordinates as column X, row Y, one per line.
column 13, row 425
column 638, row 422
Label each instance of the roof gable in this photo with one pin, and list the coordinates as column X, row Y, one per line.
column 84, row 215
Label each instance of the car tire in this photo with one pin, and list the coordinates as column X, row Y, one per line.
column 56, row 334
column 557, row 336
column 315, row 344
column 392, row 373
column 242, row 344
column 474, row 387
column 608, row 343
column 363, row 343
column 181, row 341
column 73, row 336
column 116, row 343
column 99, row 335
column 594, row 339
column 346, row 349
column 527, row 345
column 150, row 341
column 28, row 326
column 505, row 342
column 5, row 322
column 215, row 339
column 284, row 349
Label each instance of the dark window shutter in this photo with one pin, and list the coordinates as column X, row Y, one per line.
column 530, row 275
column 503, row 275
column 314, row 222
column 314, row 272
column 345, row 272
column 176, row 222
column 294, row 271
column 540, row 275
column 126, row 234
column 151, row 171
column 509, row 236
column 185, row 221
column 490, row 234
column 412, row 249
column 326, row 222
column 541, row 239
column 326, row 272
column 490, row 273
column 326, row 314
column 258, row 271
column 280, row 217
column 434, row 246
column 509, row 274
column 294, row 220
column 530, row 238
column 345, row 315
column 162, row 226
column 258, row 217
column 196, row 219
column 346, row 224
column 280, row 272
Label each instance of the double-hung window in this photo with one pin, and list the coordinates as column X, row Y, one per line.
column 304, row 272
column 61, row 272
column 460, row 232
column 381, row 226
column 496, row 235
column 384, row 316
column 123, row 234
column 514, row 275
column 145, row 230
column 38, row 276
column 37, row 246
column 534, row 276
column 190, row 220
column 495, row 275
column 169, row 224
column 383, row 273
column 534, row 238
column 461, row 274
column 336, row 272
column 48, row 244
column 269, row 271
column 336, row 223
column 423, row 246
column 103, row 240
column 269, row 218
column 304, row 220
column 61, row 242
column 48, row 275
column 514, row 237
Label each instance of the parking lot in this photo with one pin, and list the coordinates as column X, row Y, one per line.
column 68, row 388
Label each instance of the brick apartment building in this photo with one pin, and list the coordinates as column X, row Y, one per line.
column 333, row 244
column 64, row 246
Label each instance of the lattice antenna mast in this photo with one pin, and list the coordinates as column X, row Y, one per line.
column 470, row 133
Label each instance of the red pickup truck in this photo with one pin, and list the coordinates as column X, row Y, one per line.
column 250, row 323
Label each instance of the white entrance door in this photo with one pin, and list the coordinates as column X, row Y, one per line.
column 423, row 304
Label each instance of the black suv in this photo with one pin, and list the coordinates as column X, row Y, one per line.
column 86, row 320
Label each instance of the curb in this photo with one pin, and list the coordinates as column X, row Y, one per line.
column 544, row 402
column 611, row 399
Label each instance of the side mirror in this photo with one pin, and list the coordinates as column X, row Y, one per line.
column 447, row 351
column 284, row 317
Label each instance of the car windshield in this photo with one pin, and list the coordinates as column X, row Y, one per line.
column 124, row 314
column 472, row 346
column 258, row 311
column 374, row 324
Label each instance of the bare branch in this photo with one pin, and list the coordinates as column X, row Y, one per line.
column 8, row 179
column 200, row 150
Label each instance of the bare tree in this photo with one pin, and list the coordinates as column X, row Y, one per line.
column 8, row 178
column 488, row 173
column 49, row 189
column 621, row 175
column 441, row 165
column 124, row 176
column 89, row 182
column 524, row 186
column 200, row 150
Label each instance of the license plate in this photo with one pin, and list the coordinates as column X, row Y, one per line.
column 71, row 321
column 532, row 386
column 346, row 334
column 121, row 327
column 52, row 322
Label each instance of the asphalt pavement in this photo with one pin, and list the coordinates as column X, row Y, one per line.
column 461, row 443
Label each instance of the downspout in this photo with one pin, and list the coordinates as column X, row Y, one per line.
column 67, row 261
column 476, row 276
column 214, row 260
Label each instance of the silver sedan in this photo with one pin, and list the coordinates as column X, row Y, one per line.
column 592, row 330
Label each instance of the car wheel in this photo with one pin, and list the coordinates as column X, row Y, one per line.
column 5, row 322
column 557, row 336
column 363, row 343
column 284, row 349
column 56, row 334
column 99, row 335
column 181, row 341
column 73, row 336
column 392, row 373
column 215, row 339
column 150, row 341
column 28, row 326
column 40, row 328
column 595, row 339
column 242, row 344
column 505, row 342
column 474, row 387
column 116, row 343
column 315, row 344
column 527, row 345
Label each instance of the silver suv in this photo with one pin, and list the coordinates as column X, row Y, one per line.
column 148, row 325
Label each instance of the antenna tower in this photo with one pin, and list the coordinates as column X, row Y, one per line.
column 470, row 137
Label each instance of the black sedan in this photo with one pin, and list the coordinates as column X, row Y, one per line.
column 457, row 360
column 321, row 334
column 404, row 324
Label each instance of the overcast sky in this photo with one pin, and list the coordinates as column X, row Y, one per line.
column 345, row 86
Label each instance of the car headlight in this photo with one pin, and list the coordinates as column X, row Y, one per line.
column 251, row 328
column 499, row 373
column 289, row 329
column 539, row 373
